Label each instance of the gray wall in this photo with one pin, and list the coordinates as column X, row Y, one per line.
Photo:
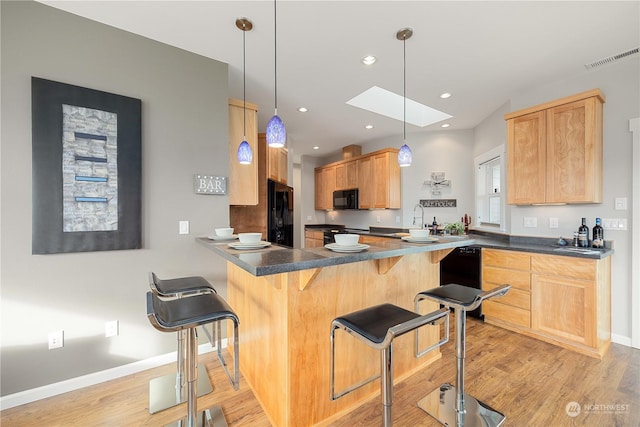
column 184, row 131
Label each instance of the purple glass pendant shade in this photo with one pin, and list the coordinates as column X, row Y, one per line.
column 404, row 156
column 245, row 154
column 276, row 133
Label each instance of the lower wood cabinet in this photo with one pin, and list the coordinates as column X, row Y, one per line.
column 562, row 300
column 313, row 238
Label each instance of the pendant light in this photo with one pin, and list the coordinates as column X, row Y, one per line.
column 276, row 133
column 404, row 155
column 245, row 154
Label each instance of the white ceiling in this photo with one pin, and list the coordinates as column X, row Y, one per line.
column 482, row 52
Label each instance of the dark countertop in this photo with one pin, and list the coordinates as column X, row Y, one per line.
column 279, row 259
column 540, row 245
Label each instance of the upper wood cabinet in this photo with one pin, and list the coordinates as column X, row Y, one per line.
column 243, row 179
column 554, row 151
column 325, row 180
column 379, row 181
column 347, row 175
column 376, row 175
column 277, row 161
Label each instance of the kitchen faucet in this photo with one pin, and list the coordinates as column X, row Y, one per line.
column 421, row 215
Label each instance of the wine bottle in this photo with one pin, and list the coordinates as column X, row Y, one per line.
column 583, row 234
column 598, row 235
column 434, row 227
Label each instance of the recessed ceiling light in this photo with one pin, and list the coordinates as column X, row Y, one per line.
column 368, row 127
column 303, row 109
column 445, row 125
column 316, row 147
column 368, row 60
column 445, row 95
column 386, row 103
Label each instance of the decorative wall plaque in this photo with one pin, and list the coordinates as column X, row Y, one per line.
column 439, row 203
column 210, row 184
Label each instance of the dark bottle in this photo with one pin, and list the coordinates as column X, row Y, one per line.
column 434, row 227
column 598, row 235
column 583, row 234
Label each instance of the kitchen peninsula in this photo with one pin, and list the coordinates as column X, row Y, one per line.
column 286, row 299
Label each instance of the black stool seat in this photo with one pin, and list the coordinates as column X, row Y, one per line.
column 374, row 323
column 456, row 295
column 177, row 314
column 180, row 286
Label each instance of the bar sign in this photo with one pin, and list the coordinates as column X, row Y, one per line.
column 210, row 184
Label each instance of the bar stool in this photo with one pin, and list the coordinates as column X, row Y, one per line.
column 448, row 404
column 169, row 390
column 377, row 327
column 186, row 314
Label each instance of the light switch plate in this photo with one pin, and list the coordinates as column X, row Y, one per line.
column 183, row 227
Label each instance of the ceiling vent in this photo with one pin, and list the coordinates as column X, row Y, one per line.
column 613, row 58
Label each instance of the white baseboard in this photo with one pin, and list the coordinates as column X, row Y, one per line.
column 49, row 390
column 621, row 339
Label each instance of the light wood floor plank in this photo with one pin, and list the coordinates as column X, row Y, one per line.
column 529, row 380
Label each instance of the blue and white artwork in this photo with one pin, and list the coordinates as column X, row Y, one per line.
column 89, row 169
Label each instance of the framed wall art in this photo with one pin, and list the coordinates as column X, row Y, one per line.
column 86, row 169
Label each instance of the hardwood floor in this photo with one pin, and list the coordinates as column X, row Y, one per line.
column 528, row 380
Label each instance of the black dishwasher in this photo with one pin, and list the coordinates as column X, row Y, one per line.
column 463, row 266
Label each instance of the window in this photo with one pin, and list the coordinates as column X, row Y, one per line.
column 489, row 185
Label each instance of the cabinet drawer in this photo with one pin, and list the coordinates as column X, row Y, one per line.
column 314, row 234
column 507, row 259
column 500, row 276
column 556, row 265
column 507, row 313
column 515, row 297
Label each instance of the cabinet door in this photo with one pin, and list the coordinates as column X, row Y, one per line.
column 574, row 152
column 365, row 183
column 386, row 181
column 526, row 158
column 325, row 179
column 243, row 179
column 347, row 175
column 277, row 167
column 564, row 308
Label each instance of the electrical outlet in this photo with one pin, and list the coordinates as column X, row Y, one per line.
column 553, row 222
column 111, row 329
column 530, row 221
column 377, row 219
column 183, row 227
column 397, row 219
column 56, row 339
column 621, row 203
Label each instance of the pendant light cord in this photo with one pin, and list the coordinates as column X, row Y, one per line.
column 244, row 86
column 275, row 55
column 404, row 88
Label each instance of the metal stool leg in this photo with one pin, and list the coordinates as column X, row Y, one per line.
column 387, row 384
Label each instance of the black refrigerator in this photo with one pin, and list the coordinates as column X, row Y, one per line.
column 279, row 213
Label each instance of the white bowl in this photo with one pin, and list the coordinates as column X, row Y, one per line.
column 418, row 232
column 224, row 232
column 347, row 239
column 249, row 237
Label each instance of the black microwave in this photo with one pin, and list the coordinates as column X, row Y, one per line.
column 345, row 199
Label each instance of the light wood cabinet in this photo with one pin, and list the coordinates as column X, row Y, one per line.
column 562, row 300
column 243, row 179
column 379, row 180
column 376, row 176
column 313, row 238
column 571, row 300
column 325, row 185
column 278, row 162
column 554, row 151
column 347, row 175
column 500, row 267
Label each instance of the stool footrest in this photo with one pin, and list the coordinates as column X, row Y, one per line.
column 441, row 405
